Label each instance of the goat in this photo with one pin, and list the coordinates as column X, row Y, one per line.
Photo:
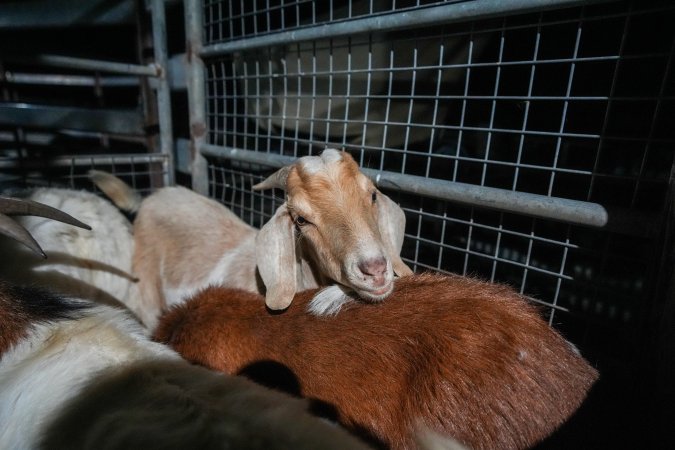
column 335, row 226
column 93, row 263
column 459, row 356
column 74, row 375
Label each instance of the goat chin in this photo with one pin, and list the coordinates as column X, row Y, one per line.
column 452, row 355
column 78, row 376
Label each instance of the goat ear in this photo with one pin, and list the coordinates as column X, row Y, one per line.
column 275, row 257
column 391, row 222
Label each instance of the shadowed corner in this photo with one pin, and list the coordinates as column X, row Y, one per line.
column 275, row 312
column 277, row 376
column 273, row 375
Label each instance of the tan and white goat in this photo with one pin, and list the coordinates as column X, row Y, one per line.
column 455, row 355
column 335, row 227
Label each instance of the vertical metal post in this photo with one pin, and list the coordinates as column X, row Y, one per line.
column 196, row 93
column 163, row 90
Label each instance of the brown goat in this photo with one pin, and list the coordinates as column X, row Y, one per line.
column 454, row 355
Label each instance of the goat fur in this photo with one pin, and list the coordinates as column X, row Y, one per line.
column 78, row 376
column 93, row 264
column 185, row 241
column 455, row 355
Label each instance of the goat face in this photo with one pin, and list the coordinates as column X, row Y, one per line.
column 348, row 229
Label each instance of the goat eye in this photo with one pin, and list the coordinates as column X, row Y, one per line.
column 301, row 220
column 374, row 196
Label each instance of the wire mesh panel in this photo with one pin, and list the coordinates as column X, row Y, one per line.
column 571, row 104
column 225, row 21
column 574, row 103
column 145, row 173
column 68, row 98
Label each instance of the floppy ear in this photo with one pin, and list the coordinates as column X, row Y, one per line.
column 391, row 222
column 275, row 257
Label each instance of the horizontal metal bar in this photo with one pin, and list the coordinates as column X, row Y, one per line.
column 266, row 159
column 52, row 117
column 45, row 13
column 572, row 211
column 451, row 13
column 565, row 210
column 82, row 161
column 67, row 80
column 70, row 62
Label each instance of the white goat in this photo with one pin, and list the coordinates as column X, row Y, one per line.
column 94, row 264
column 78, row 376
column 335, row 226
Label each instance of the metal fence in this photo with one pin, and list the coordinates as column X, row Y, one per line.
column 528, row 142
column 61, row 113
column 567, row 104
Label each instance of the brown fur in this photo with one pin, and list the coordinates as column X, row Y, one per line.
column 454, row 355
column 22, row 307
column 15, row 322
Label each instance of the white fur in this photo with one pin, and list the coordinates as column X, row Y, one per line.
column 93, row 264
column 240, row 255
column 315, row 164
column 329, row 301
column 57, row 360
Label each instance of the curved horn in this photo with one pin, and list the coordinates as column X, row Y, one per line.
column 12, row 229
column 22, row 207
column 276, row 180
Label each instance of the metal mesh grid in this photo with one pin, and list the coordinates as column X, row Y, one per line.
column 572, row 103
column 226, row 21
column 562, row 267
column 145, row 173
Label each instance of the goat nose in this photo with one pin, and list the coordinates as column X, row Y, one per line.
column 374, row 267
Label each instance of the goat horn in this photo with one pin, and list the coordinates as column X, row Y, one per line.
column 276, row 180
column 12, row 229
column 22, row 207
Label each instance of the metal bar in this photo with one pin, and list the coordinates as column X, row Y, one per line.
column 43, row 13
column 565, row 210
column 572, row 211
column 47, row 137
column 196, row 93
column 82, row 160
column 67, row 80
column 128, row 122
column 163, row 89
column 445, row 14
column 87, row 64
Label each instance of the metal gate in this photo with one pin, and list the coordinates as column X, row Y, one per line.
column 528, row 142
column 84, row 86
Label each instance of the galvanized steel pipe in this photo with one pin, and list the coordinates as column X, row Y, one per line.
column 433, row 15
column 565, row 210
